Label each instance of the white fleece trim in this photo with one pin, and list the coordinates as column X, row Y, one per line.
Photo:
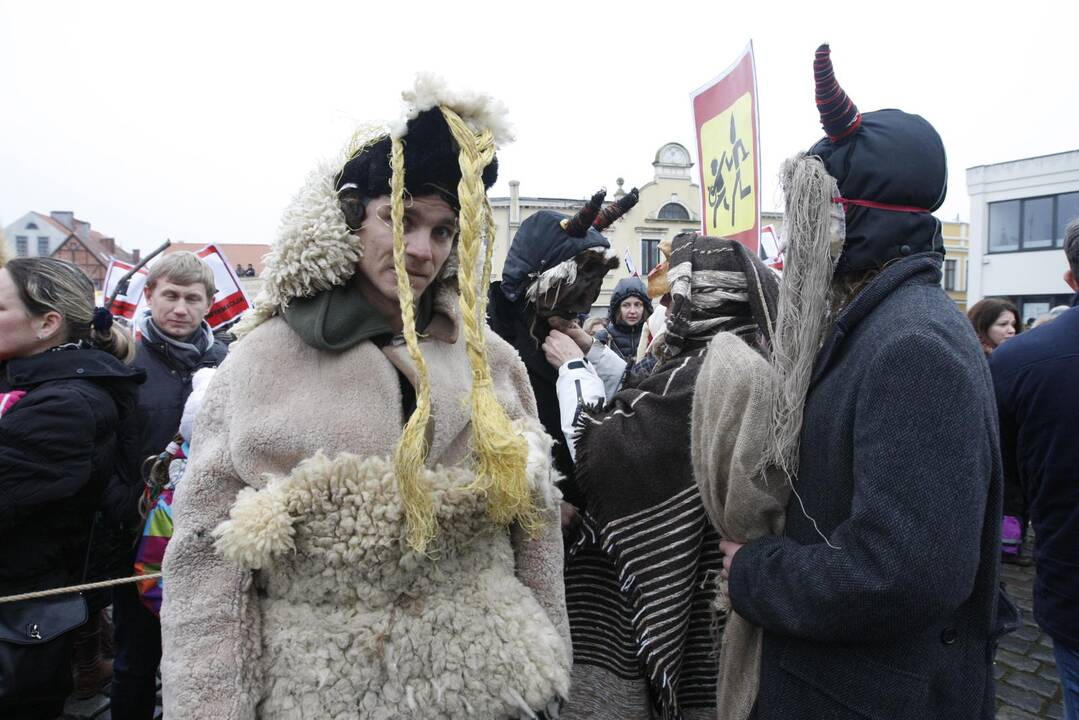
column 480, row 112
column 563, row 272
column 314, row 249
column 199, row 382
column 540, row 470
column 352, row 618
column 259, row 528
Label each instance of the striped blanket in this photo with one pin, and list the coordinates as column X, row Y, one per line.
column 640, row 578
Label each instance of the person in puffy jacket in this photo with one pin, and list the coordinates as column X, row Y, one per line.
column 630, row 308
column 68, row 391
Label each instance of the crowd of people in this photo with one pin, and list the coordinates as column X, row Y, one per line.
column 407, row 491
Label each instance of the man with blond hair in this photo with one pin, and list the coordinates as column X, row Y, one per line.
column 175, row 342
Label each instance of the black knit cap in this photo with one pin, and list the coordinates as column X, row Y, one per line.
column 888, row 157
column 432, row 165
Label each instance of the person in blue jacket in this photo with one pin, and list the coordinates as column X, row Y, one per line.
column 1036, row 375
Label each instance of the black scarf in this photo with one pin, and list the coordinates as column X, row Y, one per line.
column 185, row 354
column 717, row 285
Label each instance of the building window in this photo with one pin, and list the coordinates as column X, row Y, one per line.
column 31, row 226
column 1067, row 210
column 42, row 246
column 649, row 254
column 1031, row 223
column 673, row 211
column 1004, row 226
column 949, row 274
column 22, row 246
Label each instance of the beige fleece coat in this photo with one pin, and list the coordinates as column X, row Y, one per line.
column 290, row 590
column 730, row 428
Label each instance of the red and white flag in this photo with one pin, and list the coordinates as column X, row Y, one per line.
column 228, row 304
column 231, row 300
column 126, row 304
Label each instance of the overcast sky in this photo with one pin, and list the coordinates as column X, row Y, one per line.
column 197, row 121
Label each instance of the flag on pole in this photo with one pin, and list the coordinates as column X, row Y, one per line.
column 231, row 300
column 728, row 152
column 125, row 304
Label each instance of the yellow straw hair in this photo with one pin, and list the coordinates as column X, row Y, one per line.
column 412, row 448
column 501, row 452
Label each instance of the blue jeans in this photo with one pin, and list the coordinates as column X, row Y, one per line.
column 1068, row 668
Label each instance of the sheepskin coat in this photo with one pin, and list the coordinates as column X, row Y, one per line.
column 290, row 590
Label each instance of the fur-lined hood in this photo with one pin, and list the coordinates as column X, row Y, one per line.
column 314, row 249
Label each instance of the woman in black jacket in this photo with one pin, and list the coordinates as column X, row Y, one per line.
column 66, row 389
column 629, row 311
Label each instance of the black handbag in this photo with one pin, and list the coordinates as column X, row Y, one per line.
column 35, row 650
column 38, row 621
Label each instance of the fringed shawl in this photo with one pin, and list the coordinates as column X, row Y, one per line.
column 641, row 584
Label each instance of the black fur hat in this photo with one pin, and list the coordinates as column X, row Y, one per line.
column 431, row 164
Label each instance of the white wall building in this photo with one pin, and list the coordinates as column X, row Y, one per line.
column 38, row 235
column 1018, row 212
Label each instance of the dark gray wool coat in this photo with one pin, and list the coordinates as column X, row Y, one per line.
column 900, row 467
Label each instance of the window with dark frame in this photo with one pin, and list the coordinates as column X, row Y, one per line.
column 673, row 211
column 949, row 274
column 649, row 254
column 1035, row 223
column 22, row 246
column 42, row 246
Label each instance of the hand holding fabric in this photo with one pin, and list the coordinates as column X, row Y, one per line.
column 560, row 348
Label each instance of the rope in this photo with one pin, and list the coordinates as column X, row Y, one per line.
column 411, row 454
column 78, row 588
column 500, row 451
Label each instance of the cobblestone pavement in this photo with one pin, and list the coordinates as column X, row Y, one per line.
column 1027, row 683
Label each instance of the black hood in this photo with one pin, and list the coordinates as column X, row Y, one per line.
column 893, row 158
column 539, row 245
column 629, row 287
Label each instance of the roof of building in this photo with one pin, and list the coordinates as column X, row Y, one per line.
column 94, row 243
column 1019, row 160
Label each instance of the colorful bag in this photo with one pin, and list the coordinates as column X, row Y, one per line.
column 156, row 533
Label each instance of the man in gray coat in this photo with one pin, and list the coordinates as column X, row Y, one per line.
column 879, row 600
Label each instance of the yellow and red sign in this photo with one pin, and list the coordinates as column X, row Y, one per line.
column 728, row 153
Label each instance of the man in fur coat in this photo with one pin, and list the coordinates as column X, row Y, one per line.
column 879, row 600
column 368, row 527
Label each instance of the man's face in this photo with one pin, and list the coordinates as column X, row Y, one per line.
column 632, row 310
column 430, row 228
column 177, row 310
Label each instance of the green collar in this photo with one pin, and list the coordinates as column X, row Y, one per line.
column 340, row 318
